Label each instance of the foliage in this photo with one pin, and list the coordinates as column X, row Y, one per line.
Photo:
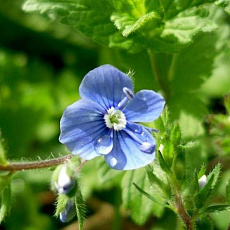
column 132, row 25
column 178, row 48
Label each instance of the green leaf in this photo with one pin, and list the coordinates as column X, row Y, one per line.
column 204, row 222
column 186, row 104
column 80, row 208
column 149, row 196
column 185, row 26
column 225, row 4
column 172, row 8
column 139, row 206
column 153, row 179
column 133, row 25
column 163, row 164
column 183, row 79
column 208, row 190
column 5, row 202
column 221, row 220
column 191, row 187
column 105, row 174
column 217, row 208
column 129, row 26
column 90, row 17
column 61, row 203
column 202, row 171
column 175, row 135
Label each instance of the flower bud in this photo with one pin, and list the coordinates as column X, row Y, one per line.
column 66, row 182
column 68, row 212
column 161, row 147
column 202, row 181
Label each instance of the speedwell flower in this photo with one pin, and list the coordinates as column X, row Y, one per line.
column 103, row 122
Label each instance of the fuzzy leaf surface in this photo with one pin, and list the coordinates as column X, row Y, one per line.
column 80, row 208
column 139, row 205
column 133, row 25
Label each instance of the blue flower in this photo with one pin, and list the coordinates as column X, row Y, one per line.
column 103, row 122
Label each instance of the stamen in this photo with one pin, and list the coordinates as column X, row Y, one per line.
column 115, row 119
column 123, row 103
column 129, row 95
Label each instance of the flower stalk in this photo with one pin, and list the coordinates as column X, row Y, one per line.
column 160, row 77
column 187, row 219
column 179, row 208
column 11, row 167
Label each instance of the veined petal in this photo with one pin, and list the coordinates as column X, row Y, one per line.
column 116, row 159
column 146, row 106
column 104, row 85
column 131, row 149
column 81, row 124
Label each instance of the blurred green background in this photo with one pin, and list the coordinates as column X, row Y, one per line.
column 42, row 63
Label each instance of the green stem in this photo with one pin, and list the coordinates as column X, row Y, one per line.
column 156, row 71
column 187, row 219
column 11, row 167
column 171, row 72
column 179, row 206
column 161, row 80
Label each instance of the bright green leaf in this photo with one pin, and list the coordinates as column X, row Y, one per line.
column 80, row 208
column 191, row 187
column 225, row 4
column 90, row 17
column 201, row 171
column 134, row 24
column 217, row 208
column 148, row 195
column 175, row 7
column 61, row 203
column 185, row 26
column 105, row 174
column 175, row 135
column 153, row 179
column 208, row 190
column 186, row 104
column 139, row 206
column 163, row 164
column 221, row 220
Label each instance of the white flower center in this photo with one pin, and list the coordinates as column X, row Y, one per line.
column 115, row 119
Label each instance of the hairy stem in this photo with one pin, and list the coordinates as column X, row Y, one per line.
column 11, row 167
column 178, row 203
column 182, row 212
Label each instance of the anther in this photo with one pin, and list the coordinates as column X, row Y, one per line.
column 129, row 95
